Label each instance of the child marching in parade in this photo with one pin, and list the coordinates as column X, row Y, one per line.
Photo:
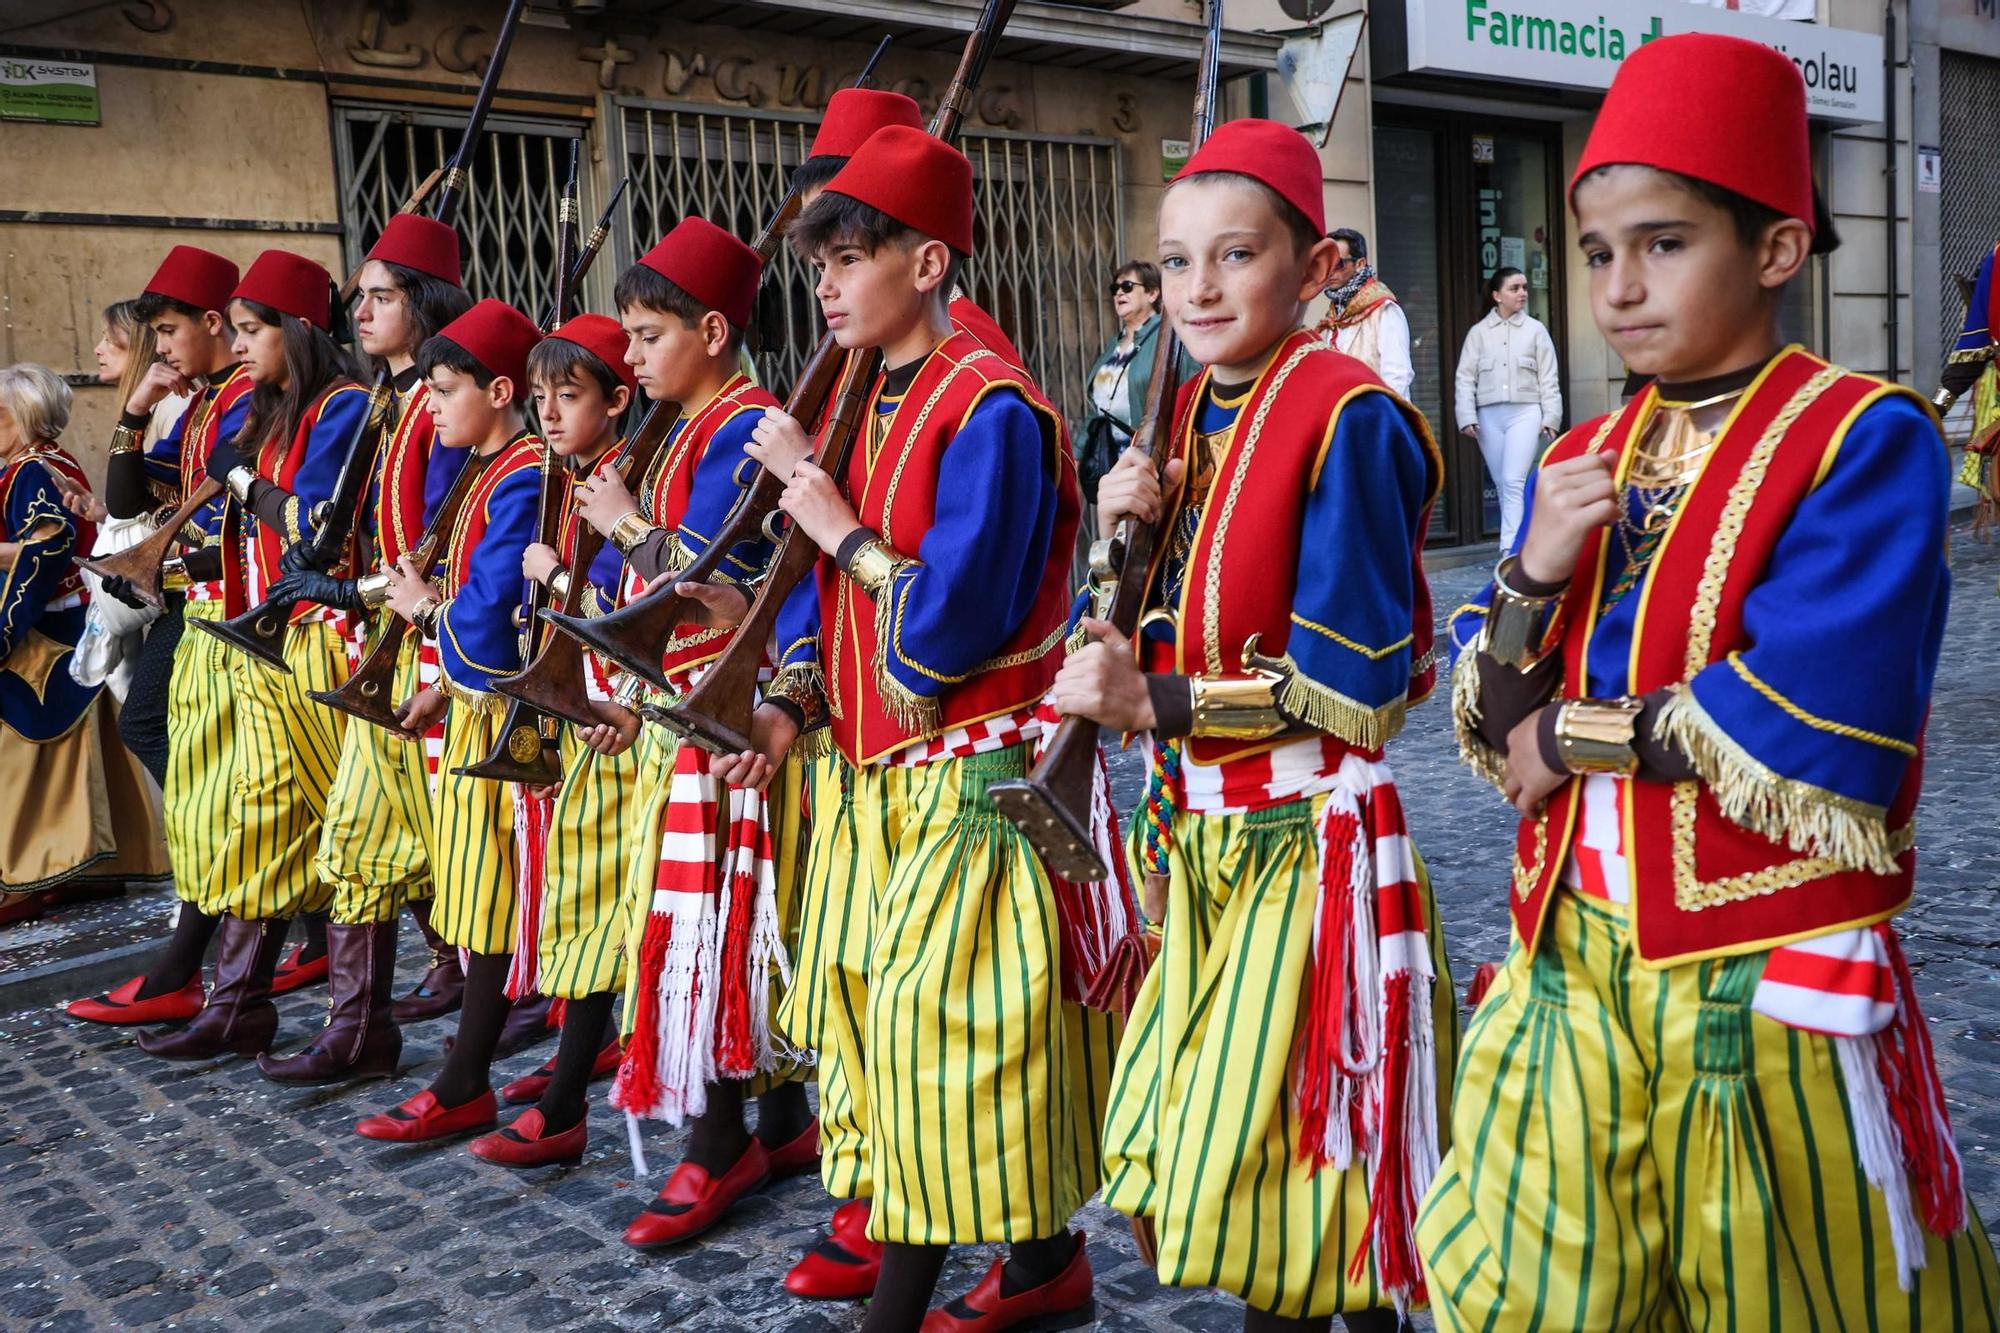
column 684, row 307
column 374, row 849
column 1275, row 1111
column 184, row 301
column 1700, row 1091
column 474, row 367
column 581, row 387
column 935, row 632
column 279, row 470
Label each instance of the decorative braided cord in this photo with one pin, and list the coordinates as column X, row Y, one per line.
column 1163, row 802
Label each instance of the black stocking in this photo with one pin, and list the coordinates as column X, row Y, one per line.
column 179, row 959
column 567, row 1097
column 1372, row 1321
column 313, row 947
column 1262, row 1321
column 469, row 1065
column 717, row 1138
column 1030, row 1263
column 782, row 1115
column 909, row 1276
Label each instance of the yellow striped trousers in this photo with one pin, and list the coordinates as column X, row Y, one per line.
column 654, row 768
column 945, row 1026
column 473, row 862
column 286, row 748
column 375, row 845
column 592, row 841
column 200, row 795
column 1637, row 1149
column 1202, row 1135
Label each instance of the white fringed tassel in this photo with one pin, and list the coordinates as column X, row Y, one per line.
column 638, row 1151
column 687, row 1018
column 1881, row 1153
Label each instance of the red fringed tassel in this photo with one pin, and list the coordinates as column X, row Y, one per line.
column 1317, row 1059
column 637, row 1087
column 735, row 1054
column 1392, row 1206
column 558, row 1009
column 1916, row 1103
column 1116, row 988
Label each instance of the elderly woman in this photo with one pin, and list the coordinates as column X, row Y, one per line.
column 77, row 800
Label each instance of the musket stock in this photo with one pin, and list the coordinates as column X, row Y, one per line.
column 139, row 565
column 1051, row 806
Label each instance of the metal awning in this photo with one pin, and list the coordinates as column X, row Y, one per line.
column 1039, row 33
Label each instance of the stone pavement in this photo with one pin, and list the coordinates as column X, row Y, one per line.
column 137, row 1193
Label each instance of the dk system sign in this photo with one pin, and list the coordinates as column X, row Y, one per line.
column 1579, row 44
column 56, row 91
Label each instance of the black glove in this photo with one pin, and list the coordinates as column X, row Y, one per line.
column 204, row 564
column 299, row 559
column 312, row 586
column 1960, row 376
column 122, row 590
column 224, row 459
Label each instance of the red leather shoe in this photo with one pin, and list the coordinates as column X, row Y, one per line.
column 528, row 1089
column 797, row 1157
column 119, row 1007
column 821, row 1277
column 293, row 975
column 523, row 1143
column 1064, row 1301
column 699, row 1199
column 422, row 1119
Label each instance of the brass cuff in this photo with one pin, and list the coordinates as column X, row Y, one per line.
column 1517, row 625
column 1237, row 707
column 1596, row 735
column 126, row 440
column 425, row 616
column 628, row 532
column 240, row 481
column 630, row 688
column 559, row 585
column 174, row 574
column 373, row 589
column 1941, row 400
column 874, row 566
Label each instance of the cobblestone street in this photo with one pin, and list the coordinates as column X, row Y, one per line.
column 138, row 1193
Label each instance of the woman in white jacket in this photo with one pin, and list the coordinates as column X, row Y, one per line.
column 1509, row 395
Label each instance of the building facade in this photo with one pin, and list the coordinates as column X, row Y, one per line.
column 240, row 124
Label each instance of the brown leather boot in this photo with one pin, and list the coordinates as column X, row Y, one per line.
column 360, row 1039
column 239, row 1015
column 442, row 990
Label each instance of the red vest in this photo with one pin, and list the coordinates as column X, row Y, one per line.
column 1242, row 570
column 521, row 455
column 896, row 496
column 1702, row 886
column 399, row 479
column 671, row 488
column 204, row 421
column 279, row 464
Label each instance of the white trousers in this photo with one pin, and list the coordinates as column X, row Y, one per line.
column 1510, row 439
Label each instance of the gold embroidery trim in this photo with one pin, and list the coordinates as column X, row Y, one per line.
column 1372, row 654
column 1328, row 710
column 1480, row 757
column 1813, row 720
column 1529, row 874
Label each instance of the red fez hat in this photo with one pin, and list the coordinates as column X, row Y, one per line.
column 854, row 114
column 499, row 337
column 604, row 338
column 1685, row 103
column 421, row 243
column 1277, row 155
column 916, row 178
column 195, row 277
column 290, row 284
column 710, row 265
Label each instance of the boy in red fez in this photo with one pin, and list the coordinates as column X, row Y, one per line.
column 1276, row 1106
column 184, row 302
column 281, row 466
column 476, row 370
column 1700, row 1090
column 581, row 387
column 684, row 307
column 934, row 633
column 374, row 851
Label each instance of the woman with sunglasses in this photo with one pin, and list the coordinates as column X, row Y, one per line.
column 1118, row 381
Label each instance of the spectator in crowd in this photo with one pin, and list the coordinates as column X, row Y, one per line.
column 1509, row 395
column 1365, row 320
column 1118, row 381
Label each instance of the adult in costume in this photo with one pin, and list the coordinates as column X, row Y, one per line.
column 1969, row 367
column 1700, row 1091
column 79, row 803
column 1364, row 319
